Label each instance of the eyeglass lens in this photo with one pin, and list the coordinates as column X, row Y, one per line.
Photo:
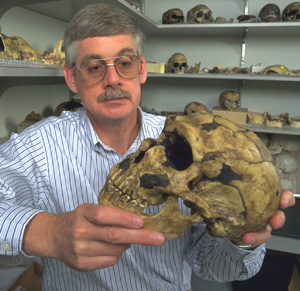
column 93, row 71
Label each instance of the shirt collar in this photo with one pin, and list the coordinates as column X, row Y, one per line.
column 101, row 147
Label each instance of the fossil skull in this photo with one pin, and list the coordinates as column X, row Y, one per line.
column 270, row 13
column 219, row 169
column 177, row 64
column 229, row 100
column 193, row 107
column 286, row 163
column 200, row 14
column 291, row 12
column 173, row 16
column 282, row 142
column 276, row 70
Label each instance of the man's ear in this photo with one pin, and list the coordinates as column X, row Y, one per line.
column 70, row 78
column 144, row 72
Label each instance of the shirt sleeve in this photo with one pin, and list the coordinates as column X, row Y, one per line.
column 22, row 187
column 218, row 259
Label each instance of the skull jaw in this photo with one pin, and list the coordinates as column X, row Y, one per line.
column 170, row 221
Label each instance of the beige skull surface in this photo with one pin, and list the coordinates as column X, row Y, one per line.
column 173, row 16
column 221, row 170
column 276, row 70
column 194, row 107
column 229, row 100
column 177, row 64
column 200, row 14
column 291, row 12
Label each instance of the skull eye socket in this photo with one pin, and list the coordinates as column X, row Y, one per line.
column 199, row 14
column 293, row 12
column 178, row 153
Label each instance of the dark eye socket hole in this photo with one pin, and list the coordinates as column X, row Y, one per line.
column 139, row 157
column 199, row 14
column 179, row 154
column 292, row 12
column 184, row 65
column 176, row 65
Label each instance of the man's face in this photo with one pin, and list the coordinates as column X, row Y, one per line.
column 116, row 109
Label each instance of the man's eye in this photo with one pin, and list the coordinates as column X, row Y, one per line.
column 92, row 68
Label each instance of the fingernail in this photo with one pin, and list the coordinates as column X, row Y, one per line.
column 138, row 222
column 159, row 238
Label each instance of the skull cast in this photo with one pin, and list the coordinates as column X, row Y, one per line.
column 219, row 169
column 229, row 100
column 270, row 13
column 291, row 12
column 177, row 64
column 194, row 107
column 200, row 14
column 173, row 16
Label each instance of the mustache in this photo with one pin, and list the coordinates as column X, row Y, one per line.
column 114, row 94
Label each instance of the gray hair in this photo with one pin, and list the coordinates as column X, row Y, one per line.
column 100, row 20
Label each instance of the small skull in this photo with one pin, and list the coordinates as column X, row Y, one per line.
column 286, row 163
column 229, row 100
column 200, row 14
column 173, row 16
column 194, row 107
column 270, row 13
column 177, row 64
column 283, row 142
column 276, row 70
column 291, row 12
column 217, row 168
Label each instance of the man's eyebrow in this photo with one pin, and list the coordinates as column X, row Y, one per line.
column 98, row 57
column 126, row 50
column 91, row 57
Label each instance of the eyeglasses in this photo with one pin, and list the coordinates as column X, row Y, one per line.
column 94, row 71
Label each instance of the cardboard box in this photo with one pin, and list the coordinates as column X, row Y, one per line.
column 239, row 116
column 158, row 68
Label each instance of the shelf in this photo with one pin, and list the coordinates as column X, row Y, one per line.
column 242, row 77
column 261, row 128
column 61, row 10
column 30, row 72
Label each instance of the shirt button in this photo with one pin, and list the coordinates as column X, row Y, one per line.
column 5, row 247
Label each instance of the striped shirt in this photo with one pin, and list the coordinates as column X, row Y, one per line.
column 60, row 163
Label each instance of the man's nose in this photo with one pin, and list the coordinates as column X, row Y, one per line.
column 112, row 78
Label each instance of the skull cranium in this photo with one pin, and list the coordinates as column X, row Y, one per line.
column 221, row 170
column 173, row 16
column 270, row 13
column 177, row 64
column 291, row 12
column 200, row 14
column 229, row 100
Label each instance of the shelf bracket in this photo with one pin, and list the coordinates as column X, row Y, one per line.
column 246, row 12
column 243, row 54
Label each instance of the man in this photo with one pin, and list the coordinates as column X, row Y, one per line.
column 51, row 175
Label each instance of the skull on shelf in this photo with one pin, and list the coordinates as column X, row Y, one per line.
column 291, row 12
column 270, row 13
column 229, row 100
column 200, row 14
column 194, row 107
column 177, row 64
column 276, row 70
column 219, row 169
column 173, row 16
column 282, row 142
column 286, row 163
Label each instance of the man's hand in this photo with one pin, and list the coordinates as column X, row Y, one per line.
column 89, row 238
column 277, row 221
